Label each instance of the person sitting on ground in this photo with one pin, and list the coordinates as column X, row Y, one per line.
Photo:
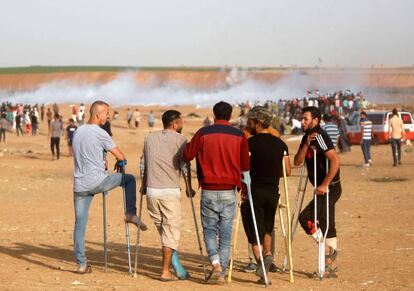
column 89, row 143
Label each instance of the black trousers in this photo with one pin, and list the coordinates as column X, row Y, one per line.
column 306, row 218
column 265, row 201
column 55, row 142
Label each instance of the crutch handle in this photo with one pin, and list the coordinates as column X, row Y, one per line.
column 120, row 166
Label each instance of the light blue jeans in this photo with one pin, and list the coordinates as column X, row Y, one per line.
column 82, row 201
column 218, row 209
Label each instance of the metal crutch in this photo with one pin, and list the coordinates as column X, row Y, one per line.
column 233, row 247
column 321, row 237
column 122, row 164
column 142, row 171
column 104, row 230
column 300, row 195
column 282, row 227
column 289, row 225
column 186, row 173
column 247, row 181
column 104, row 220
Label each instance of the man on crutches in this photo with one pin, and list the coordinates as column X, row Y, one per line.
column 322, row 163
column 162, row 161
column 222, row 154
column 266, row 159
column 90, row 177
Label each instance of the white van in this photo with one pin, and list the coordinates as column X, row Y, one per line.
column 380, row 125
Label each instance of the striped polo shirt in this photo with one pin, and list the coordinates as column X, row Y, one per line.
column 366, row 128
column 332, row 131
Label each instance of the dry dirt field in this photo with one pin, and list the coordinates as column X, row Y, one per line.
column 374, row 222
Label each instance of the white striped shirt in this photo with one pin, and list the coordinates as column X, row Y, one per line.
column 366, row 129
column 333, row 132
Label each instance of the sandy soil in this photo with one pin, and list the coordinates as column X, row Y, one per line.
column 374, row 221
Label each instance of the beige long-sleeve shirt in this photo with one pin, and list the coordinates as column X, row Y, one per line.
column 396, row 127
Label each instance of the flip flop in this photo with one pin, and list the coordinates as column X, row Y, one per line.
column 86, row 270
column 173, row 278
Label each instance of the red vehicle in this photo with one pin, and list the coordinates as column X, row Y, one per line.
column 380, row 123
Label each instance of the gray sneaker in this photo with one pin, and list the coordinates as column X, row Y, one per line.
column 250, row 268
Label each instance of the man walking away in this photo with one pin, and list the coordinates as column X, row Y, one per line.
column 129, row 117
column 137, row 117
column 163, row 160
column 222, row 154
column 366, row 136
column 19, row 130
column 396, row 133
column 49, row 116
column 151, row 120
column 42, row 112
column 3, row 127
column 90, row 142
column 55, row 131
column 316, row 138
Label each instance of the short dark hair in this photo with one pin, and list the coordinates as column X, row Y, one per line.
column 395, row 111
column 170, row 116
column 222, row 110
column 364, row 113
column 327, row 118
column 314, row 111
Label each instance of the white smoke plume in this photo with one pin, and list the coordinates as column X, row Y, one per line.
column 125, row 90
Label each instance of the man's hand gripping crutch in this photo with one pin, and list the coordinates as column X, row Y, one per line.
column 190, row 193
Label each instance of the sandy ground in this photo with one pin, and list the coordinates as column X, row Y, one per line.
column 374, row 222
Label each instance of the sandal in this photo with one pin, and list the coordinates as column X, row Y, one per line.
column 332, row 254
column 171, row 279
column 329, row 273
column 84, row 269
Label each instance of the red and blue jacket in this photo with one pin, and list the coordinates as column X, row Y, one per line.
column 222, row 153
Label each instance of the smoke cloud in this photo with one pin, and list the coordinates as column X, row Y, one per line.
column 238, row 88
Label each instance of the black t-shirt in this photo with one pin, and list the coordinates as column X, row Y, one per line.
column 266, row 155
column 71, row 130
column 322, row 143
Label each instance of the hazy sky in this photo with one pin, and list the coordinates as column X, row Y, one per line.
column 206, row 33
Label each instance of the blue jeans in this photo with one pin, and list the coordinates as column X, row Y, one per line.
column 366, row 150
column 218, row 209
column 82, row 201
column 396, row 150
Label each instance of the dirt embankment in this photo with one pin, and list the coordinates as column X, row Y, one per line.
column 396, row 79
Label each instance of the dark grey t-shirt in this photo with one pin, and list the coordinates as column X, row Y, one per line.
column 56, row 128
column 89, row 143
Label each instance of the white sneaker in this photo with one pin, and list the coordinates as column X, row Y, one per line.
column 370, row 162
column 366, row 165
